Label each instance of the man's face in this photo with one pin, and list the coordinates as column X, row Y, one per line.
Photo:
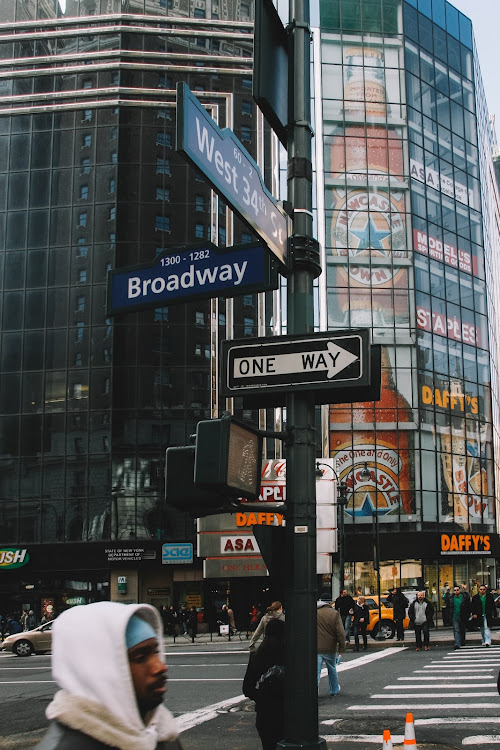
column 344, row 592
column 456, row 591
column 482, row 590
column 421, row 596
column 149, row 674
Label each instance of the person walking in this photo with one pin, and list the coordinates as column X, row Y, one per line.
column 361, row 620
column 331, row 643
column 107, row 658
column 30, row 621
column 483, row 611
column 192, row 622
column 255, row 615
column 183, row 618
column 399, row 606
column 458, row 604
column 275, row 610
column 345, row 605
column 421, row 613
column 230, row 617
column 264, row 683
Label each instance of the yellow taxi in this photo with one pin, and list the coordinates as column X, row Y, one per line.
column 386, row 628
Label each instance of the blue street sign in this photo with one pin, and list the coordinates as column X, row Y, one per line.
column 177, row 554
column 231, row 170
column 193, row 272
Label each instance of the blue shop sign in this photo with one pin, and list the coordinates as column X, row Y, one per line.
column 176, row 554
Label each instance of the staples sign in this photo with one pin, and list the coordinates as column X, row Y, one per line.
column 177, row 554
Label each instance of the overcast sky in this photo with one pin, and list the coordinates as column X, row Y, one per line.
column 485, row 17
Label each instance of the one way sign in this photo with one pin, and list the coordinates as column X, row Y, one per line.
column 319, row 362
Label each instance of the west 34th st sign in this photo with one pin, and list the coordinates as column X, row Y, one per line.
column 313, row 362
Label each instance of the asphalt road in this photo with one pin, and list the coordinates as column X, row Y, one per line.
column 452, row 695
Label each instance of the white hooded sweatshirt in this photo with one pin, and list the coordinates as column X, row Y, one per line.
column 90, row 663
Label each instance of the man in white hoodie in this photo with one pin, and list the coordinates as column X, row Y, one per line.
column 108, row 659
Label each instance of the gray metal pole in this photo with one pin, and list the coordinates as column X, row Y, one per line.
column 301, row 692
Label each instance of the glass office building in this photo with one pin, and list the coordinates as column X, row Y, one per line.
column 90, row 180
column 408, row 217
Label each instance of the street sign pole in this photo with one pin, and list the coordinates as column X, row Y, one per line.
column 301, row 692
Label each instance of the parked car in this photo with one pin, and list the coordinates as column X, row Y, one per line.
column 386, row 627
column 38, row 641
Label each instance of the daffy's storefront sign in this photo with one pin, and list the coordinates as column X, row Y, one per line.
column 466, row 544
column 13, row 558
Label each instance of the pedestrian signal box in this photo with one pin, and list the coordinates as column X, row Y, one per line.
column 210, row 476
column 228, row 457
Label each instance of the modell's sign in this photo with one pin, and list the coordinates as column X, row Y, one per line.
column 13, row 558
column 465, row 544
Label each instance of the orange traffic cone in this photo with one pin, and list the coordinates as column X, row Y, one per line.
column 387, row 742
column 410, row 740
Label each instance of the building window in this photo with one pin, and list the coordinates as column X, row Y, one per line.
column 82, row 220
column 87, row 83
column 245, row 237
column 114, row 157
column 82, row 276
column 199, row 318
column 162, row 166
column 84, row 192
column 246, row 133
column 162, row 223
column 85, row 165
column 78, row 442
column 199, row 177
column 86, row 141
column 164, row 114
column 83, row 249
column 106, row 386
column 80, row 304
column 201, row 42
column 79, row 332
column 199, row 231
column 106, row 354
column 246, row 83
column 105, row 443
column 78, row 359
column 248, row 300
column 112, row 213
column 200, row 203
column 164, row 82
column 222, row 236
column 115, row 79
column 78, row 392
column 248, row 327
column 87, row 115
column 199, row 13
column 112, row 185
column 162, row 194
column 164, row 139
column 161, row 314
column 246, row 107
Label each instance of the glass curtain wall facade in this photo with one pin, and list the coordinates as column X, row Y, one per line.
column 90, row 181
column 410, row 254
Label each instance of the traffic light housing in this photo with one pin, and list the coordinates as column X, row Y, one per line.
column 224, row 465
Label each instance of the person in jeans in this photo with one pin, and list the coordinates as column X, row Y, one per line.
column 399, row 604
column 421, row 613
column 345, row 605
column 483, row 611
column 458, row 605
column 331, row 643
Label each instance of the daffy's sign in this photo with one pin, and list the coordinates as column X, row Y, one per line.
column 465, row 544
column 13, row 558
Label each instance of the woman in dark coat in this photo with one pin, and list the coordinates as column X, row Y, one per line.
column 361, row 620
column 265, row 684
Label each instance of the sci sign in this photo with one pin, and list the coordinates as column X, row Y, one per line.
column 177, row 554
column 310, row 362
column 188, row 273
column 231, row 170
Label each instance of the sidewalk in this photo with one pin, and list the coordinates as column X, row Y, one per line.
column 440, row 635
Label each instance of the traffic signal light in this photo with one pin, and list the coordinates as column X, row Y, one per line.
column 225, row 464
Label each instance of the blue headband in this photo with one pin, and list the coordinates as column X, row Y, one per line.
column 138, row 630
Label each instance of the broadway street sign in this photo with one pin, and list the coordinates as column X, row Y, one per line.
column 189, row 273
column 322, row 362
column 233, row 173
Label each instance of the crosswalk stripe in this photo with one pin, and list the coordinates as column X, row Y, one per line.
column 482, row 739
column 463, row 706
column 443, row 685
column 430, row 677
column 371, row 738
column 385, row 696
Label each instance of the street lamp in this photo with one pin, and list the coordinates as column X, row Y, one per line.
column 342, row 500
column 365, row 474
